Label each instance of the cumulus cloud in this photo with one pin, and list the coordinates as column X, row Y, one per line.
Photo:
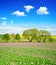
column 42, row 11
column 28, row 7
column 3, row 18
column 18, row 13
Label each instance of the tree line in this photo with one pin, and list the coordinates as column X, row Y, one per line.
column 30, row 35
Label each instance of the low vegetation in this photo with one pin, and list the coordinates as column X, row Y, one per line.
column 27, row 54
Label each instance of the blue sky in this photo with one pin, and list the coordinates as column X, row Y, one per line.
column 18, row 15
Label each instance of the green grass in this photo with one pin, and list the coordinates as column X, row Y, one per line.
column 27, row 54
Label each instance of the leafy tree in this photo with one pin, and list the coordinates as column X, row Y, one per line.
column 31, row 34
column 45, row 35
column 17, row 37
column 6, row 37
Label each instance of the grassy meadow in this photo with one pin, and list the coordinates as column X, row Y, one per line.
column 27, row 54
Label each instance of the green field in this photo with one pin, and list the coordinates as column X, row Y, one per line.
column 27, row 54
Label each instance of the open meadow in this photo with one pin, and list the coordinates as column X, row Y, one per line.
column 26, row 53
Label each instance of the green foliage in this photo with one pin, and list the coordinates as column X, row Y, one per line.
column 17, row 37
column 39, row 36
column 45, row 35
column 6, row 37
column 31, row 34
column 1, row 35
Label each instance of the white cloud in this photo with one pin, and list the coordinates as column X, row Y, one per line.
column 3, row 18
column 42, row 11
column 28, row 7
column 3, row 23
column 18, row 13
column 11, row 29
column 52, row 30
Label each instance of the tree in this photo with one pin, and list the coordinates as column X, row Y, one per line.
column 17, row 37
column 45, row 35
column 6, row 37
column 31, row 34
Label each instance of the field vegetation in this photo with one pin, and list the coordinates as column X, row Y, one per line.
column 27, row 53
